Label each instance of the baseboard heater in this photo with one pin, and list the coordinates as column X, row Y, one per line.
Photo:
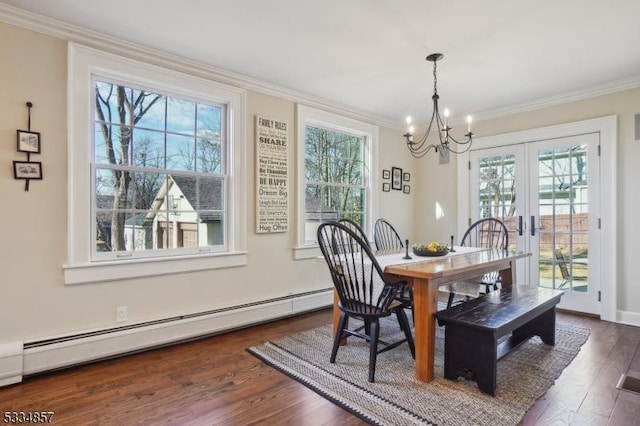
column 10, row 363
column 70, row 350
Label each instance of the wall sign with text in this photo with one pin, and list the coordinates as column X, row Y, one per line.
column 272, row 176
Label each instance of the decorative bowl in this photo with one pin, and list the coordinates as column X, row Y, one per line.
column 432, row 249
column 419, row 252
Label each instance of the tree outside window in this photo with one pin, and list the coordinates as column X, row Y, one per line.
column 335, row 170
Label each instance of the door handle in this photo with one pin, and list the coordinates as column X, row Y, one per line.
column 533, row 226
column 520, row 230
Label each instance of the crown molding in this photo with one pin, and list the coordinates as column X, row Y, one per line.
column 73, row 33
column 562, row 98
column 86, row 37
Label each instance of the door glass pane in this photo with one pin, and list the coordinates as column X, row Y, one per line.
column 496, row 191
column 563, row 218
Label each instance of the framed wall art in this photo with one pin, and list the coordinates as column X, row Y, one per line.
column 272, row 175
column 406, row 189
column 28, row 141
column 396, row 178
column 386, row 174
column 27, row 170
column 386, row 187
column 406, row 176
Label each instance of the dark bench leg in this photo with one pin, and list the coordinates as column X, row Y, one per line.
column 470, row 353
column 544, row 326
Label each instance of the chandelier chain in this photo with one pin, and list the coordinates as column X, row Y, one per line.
column 435, row 79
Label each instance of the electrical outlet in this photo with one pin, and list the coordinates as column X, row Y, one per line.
column 121, row 313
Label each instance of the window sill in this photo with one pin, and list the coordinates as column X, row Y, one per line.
column 306, row 252
column 140, row 268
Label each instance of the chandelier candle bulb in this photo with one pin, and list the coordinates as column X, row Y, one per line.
column 469, row 120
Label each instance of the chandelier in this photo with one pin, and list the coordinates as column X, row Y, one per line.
column 447, row 142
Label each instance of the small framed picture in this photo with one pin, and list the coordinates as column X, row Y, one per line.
column 396, row 178
column 386, row 187
column 27, row 170
column 28, row 141
column 406, row 189
column 406, row 177
column 386, row 174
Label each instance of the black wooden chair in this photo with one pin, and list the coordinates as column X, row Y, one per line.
column 362, row 290
column 355, row 226
column 485, row 233
column 385, row 236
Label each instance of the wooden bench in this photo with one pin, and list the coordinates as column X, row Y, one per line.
column 481, row 331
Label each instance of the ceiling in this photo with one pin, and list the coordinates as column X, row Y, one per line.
column 369, row 55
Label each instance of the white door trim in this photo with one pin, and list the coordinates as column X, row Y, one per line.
column 607, row 129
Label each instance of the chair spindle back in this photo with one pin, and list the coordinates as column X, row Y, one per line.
column 385, row 236
column 356, row 274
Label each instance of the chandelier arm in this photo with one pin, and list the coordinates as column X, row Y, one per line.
column 419, row 146
column 422, row 152
column 434, row 115
column 466, row 144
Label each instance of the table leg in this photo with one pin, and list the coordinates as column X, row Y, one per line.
column 425, row 301
column 508, row 275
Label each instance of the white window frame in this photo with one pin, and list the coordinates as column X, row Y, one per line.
column 83, row 64
column 315, row 117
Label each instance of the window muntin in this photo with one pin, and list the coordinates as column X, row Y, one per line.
column 159, row 182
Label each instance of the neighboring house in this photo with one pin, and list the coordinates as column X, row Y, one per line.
column 186, row 212
column 173, row 220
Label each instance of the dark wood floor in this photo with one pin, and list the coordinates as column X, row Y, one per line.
column 214, row 381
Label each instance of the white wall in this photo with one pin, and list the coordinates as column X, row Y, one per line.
column 396, row 206
column 37, row 305
column 622, row 104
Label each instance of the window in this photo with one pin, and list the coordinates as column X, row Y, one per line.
column 335, row 164
column 155, row 170
column 151, row 153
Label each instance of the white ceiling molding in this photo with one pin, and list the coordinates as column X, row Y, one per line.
column 592, row 92
column 72, row 33
column 77, row 34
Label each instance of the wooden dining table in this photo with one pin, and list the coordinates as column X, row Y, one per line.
column 425, row 275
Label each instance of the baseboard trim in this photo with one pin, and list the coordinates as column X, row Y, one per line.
column 61, row 352
column 628, row 318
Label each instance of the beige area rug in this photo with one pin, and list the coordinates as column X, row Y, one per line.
column 396, row 398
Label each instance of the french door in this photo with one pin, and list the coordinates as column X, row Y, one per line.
column 547, row 193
